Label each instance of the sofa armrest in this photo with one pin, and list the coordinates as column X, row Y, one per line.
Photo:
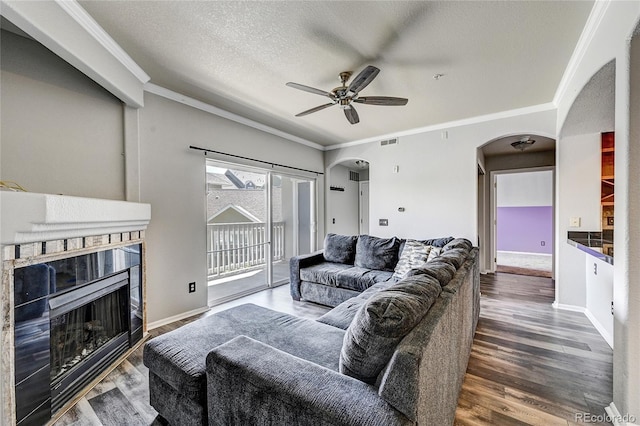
column 302, row 261
column 249, row 382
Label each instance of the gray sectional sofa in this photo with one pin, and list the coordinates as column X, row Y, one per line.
column 348, row 265
column 395, row 354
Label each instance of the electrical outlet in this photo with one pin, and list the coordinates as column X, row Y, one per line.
column 192, row 287
column 574, row 222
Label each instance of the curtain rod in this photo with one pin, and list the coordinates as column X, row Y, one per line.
column 252, row 159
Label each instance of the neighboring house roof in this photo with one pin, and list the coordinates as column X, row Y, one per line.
column 236, row 209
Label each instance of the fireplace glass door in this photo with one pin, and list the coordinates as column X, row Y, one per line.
column 89, row 328
column 77, row 334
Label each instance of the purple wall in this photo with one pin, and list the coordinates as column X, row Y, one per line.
column 524, row 228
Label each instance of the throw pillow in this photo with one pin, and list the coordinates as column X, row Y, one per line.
column 377, row 253
column 340, row 248
column 381, row 323
column 434, row 253
column 414, row 254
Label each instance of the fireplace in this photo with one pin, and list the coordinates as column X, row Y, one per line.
column 65, row 262
column 73, row 318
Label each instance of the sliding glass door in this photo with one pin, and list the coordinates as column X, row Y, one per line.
column 256, row 220
column 293, row 227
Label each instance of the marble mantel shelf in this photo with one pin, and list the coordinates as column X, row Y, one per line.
column 29, row 217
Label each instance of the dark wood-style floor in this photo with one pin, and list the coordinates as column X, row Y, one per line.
column 530, row 364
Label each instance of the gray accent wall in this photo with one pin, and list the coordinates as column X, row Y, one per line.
column 61, row 132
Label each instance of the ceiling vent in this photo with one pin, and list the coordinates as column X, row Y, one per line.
column 393, row 141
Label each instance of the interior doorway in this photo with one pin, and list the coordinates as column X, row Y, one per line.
column 256, row 221
column 348, row 198
column 523, row 218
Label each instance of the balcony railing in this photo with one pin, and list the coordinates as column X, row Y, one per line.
column 233, row 248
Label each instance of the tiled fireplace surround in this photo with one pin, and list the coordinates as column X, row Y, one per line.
column 38, row 228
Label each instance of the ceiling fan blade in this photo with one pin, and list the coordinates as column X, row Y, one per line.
column 311, row 90
column 363, row 79
column 318, row 108
column 352, row 115
column 381, row 100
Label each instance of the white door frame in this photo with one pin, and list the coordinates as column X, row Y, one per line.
column 494, row 210
column 363, row 228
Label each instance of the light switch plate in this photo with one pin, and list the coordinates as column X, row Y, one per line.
column 574, row 222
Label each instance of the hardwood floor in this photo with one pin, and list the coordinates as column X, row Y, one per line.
column 530, row 364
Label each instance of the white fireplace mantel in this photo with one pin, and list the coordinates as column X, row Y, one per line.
column 29, row 217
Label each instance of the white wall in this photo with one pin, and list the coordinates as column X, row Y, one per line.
column 525, row 189
column 172, row 179
column 61, row 132
column 437, row 181
column 578, row 195
column 616, row 24
column 343, row 205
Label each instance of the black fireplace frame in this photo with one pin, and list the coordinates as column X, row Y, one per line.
column 37, row 399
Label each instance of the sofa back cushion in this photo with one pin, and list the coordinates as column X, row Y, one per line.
column 441, row 271
column 377, row 253
column 458, row 243
column 456, row 256
column 413, row 254
column 382, row 322
column 340, row 248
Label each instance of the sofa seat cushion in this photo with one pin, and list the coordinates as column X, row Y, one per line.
column 323, row 273
column 342, row 315
column 382, row 321
column 360, row 279
column 179, row 356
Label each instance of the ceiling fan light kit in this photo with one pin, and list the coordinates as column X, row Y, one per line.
column 345, row 96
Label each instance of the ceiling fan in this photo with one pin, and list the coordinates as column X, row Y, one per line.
column 345, row 95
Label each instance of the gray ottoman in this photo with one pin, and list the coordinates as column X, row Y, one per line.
column 177, row 360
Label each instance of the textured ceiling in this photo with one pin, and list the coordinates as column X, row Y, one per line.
column 238, row 55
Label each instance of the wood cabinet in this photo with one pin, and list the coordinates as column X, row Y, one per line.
column 607, row 185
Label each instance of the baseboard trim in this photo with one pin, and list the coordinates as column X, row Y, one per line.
column 605, row 335
column 618, row 419
column 525, row 253
column 572, row 308
column 169, row 320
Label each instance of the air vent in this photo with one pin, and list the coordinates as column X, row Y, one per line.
column 354, row 176
column 393, row 141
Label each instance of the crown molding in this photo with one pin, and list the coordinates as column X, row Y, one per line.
column 202, row 106
column 593, row 22
column 450, row 124
column 68, row 31
column 78, row 14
